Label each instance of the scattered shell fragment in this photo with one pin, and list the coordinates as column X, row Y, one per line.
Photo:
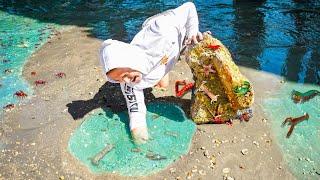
column 256, row 143
column 206, row 153
column 172, row 170
column 213, row 160
column 244, row 151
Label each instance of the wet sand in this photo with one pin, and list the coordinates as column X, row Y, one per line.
column 35, row 134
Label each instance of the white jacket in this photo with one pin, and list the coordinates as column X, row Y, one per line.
column 161, row 36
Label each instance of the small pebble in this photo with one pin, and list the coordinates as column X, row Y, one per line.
column 202, row 172
column 230, row 178
column 226, row 170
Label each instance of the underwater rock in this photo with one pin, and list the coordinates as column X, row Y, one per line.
column 221, row 91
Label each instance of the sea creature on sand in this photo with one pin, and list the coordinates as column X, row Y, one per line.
column 293, row 122
column 95, row 160
column 20, row 94
column 23, row 44
column 33, row 73
column 60, row 75
column 8, row 71
column 299, row 97
column 155, row 157
column 9, row 107
column 184, row 89
column 244, row 114
column 218, row 120
column 5, row 60
column 38, row 82
column 204, row 88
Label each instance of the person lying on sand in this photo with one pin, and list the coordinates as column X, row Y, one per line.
column 146, row 61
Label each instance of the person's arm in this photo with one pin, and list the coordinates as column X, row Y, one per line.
column 136, row 106
column 185, row 16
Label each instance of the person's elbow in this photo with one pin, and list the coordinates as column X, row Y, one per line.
column 189, row 5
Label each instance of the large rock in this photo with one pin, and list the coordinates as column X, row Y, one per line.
column 222, row 93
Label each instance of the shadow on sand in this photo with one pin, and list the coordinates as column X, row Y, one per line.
column 110, row 97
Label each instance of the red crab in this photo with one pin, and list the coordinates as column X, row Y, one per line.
column 218, row 120
column 60, row 74
column 37, row 82
column 8, row 107
column 213, row 47
column 33, row 73
column 20, row 94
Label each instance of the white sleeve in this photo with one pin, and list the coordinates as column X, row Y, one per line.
column 186, row 16
column 136, row 105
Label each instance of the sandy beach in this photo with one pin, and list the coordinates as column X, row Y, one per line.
column 35, row 134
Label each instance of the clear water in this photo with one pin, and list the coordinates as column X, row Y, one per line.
column 301, row 150
column 280, row 37
column 106, row 127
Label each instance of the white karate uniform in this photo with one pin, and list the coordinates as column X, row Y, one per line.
column 161, row 36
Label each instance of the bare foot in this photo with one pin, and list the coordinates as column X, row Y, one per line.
column 164, row 82
column 140, row 135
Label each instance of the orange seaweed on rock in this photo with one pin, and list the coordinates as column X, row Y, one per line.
column 234, row 91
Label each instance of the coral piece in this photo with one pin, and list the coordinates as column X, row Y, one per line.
column 222, row 92
column 184, row 89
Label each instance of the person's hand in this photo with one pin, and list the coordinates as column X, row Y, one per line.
column 196, row 38
column 140, row 135
column 132, row 77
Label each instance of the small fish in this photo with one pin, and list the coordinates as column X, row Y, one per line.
column 95, row 160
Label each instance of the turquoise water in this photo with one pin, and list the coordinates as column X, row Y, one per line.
column 301, row 150
column 170, row 131
column 19, row 37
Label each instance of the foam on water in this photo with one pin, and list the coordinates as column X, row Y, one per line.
column 170, row 130
column 19, row 37
column 301, row 151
